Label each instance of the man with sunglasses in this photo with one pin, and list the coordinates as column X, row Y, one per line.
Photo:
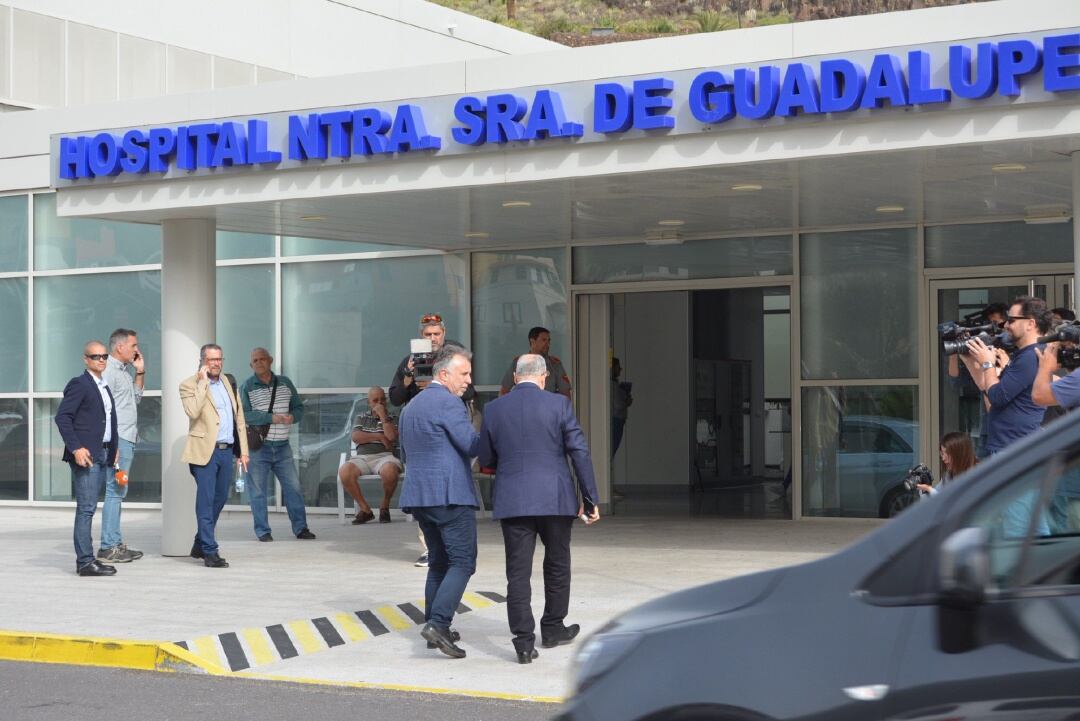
column 1007, row 386
column 87, row 423
column 404, row 387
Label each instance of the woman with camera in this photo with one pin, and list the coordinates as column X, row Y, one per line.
column 957, row 455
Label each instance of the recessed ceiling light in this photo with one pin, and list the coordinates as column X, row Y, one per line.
column 312, row 217
column 1008, row 168
column 746, row 187
column 889, row 209
column 517, row 204
column 671, row 221
column 477, row 234
column 1046, row 213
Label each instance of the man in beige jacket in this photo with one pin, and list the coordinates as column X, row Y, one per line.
column 215, row 424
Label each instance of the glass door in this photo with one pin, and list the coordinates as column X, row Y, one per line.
column 957, row 399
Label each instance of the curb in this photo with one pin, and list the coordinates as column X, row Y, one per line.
column 107, row 652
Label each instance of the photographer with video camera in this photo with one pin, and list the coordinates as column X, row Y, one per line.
column 1062, row 352
column 414, row 372
column 959, row 379
column 1006, row 383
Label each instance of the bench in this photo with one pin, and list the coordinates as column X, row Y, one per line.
column 372, row 484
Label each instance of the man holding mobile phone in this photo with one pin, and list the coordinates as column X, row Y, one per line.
column 125, row 372
column 526, row 437
column 215, row 423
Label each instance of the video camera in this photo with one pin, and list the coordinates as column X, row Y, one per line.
column 1068, row 332
column 954, row 336
column 423, row 358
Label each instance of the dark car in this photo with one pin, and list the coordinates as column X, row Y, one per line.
column 966, row 606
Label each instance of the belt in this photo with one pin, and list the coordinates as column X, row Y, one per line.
column 222, row 446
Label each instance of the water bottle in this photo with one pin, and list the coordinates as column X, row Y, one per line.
column 241, row 478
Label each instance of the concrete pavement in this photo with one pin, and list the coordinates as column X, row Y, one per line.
column 346, row 602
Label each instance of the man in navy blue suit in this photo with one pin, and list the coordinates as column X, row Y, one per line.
column 526, row 436
column 87, row 424
column 438, row 443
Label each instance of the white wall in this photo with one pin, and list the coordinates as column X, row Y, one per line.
column 652, row 334
column 65, row 51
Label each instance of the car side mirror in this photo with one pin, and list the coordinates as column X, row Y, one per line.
column 964, row 568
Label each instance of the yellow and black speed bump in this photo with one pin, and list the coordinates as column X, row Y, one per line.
column 241, row 650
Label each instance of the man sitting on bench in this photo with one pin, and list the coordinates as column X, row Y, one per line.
column 376, row 438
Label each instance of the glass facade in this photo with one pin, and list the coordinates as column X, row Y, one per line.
column 858, row 448
column 341, row 324
column 511, row 293
column 859, row 293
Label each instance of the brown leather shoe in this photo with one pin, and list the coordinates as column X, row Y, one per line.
column 363, row 517
column 384, row 515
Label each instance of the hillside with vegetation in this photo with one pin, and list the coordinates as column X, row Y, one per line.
column 589, row 22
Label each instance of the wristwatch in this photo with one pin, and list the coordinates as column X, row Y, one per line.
column 987, row 365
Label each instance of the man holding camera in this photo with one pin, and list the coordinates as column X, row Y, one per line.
column 1053, row 391
column 1007, row 383
column 406, row 385
column 963, row 383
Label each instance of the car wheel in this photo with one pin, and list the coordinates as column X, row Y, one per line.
column 894, row 502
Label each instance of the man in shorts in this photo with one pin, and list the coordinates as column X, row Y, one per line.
column 376, row 438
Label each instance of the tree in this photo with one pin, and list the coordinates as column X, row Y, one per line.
column 511, row 9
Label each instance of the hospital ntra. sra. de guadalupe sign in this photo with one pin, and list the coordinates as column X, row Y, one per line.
column 998, row 71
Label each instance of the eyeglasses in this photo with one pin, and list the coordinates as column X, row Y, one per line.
column 97, row 356
column 431, row 318
column 215, row 360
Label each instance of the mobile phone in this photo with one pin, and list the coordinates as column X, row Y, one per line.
column 137, row 355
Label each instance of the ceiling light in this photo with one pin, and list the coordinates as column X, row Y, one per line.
column 671, row 222
column 1046, row 213
column 477, row 234
column 1008, row 168
column 663, row 237
column 517, row 204
column 746, row 187
column 312, row 217
column 889, row 209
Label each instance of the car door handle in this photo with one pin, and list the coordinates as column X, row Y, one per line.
column 873, row 692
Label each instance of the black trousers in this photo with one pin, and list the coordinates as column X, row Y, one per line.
column 519, row 538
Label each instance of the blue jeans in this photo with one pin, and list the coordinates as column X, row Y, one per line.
column 114, row 494
column 450, row 534
column 278, row 459
column 212, row 483
column 86, row 483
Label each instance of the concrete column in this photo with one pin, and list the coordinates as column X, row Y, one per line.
column 1076, row 229
column 188, row 307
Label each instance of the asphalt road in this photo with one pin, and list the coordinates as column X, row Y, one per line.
column 47, row 692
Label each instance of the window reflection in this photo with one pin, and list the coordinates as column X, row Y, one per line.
column 858, row 444
column 61, row 243
column 52, row 476
column 512, row 292
column 14, row 449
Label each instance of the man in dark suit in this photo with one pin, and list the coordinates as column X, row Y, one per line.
column 526, row 436
column 87, row 424
column 438, row 443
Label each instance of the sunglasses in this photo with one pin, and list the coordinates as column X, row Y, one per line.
column 431, row 318
column 1017, row 317
column 97, row 356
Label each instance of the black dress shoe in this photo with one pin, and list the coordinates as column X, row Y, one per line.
column 306, row 535
column 266, row 538
column 212, row 560
column 453, row 635
column 442, row 640
column 196, row 550
column 96, row 569
column 559, row 638
column 527, row 656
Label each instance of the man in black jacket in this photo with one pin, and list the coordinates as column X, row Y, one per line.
column 87, row 424
column 404, row 387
